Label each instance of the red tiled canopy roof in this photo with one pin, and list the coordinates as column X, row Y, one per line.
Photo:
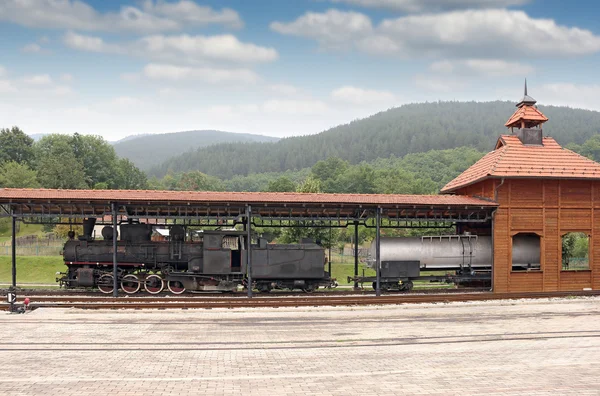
column 513, row 159
column 526, row 113
column 8, row 195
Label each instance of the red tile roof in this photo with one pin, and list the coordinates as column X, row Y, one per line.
column 205, row 197
column 527, row 113
column 514, row 159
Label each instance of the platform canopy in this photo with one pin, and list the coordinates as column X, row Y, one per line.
column 202, row 206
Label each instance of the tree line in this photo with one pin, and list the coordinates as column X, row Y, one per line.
column 64, row 161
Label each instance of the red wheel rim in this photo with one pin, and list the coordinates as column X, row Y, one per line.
column 176, row 287
column 154, row 284
column 130, row 284
column 105, row 284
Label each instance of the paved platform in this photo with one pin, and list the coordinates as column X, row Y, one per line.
column 493, row 348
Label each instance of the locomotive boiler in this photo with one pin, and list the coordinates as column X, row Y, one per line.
column 209, row 261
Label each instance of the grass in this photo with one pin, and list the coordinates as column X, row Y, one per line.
column 32, row 269
column 24, row 230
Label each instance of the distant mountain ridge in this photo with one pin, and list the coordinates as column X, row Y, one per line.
column 149, row 150
column 411, row 128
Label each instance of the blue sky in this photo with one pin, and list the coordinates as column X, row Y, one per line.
column 281, row 68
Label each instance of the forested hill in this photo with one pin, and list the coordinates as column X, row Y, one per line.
column 147, row 151
column 407, row 129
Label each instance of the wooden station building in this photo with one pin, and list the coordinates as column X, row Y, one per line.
column 544, row 190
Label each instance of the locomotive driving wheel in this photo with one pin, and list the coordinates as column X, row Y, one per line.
column 154, row 284
column 105, row 283
column 176, row 287
column 130, row 284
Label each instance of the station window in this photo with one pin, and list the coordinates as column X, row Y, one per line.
column 526, row 252
column 575, row 251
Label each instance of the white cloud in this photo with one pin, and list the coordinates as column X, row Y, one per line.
column 585, row 96
column 481, row 67
column 192, row 13
column 489, row 33
column 284, row 89
column 300, row 107
column 89, row 43
column 130, row 77
column 126, row 101
column 203, row 74
column 66, row 77
column 360, row 96
column 220, row 48
column 62, row 90
column 39, row 79
column 37, row 85
column 7, row 87
column 33, row 47
column 179, row 48
column 438, row 84
column 156, row 16
column 432, row 5
column 332, row 29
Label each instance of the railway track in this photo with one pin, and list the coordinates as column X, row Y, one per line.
column 179, row 302
column 239, row 294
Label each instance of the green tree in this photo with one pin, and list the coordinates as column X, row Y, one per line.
column 329, row 171
column 16, row 175
column 57, row 165
column 281, row 184
column 15, row 146
column 310, row 185
column 129, row 177
column 358, row 179
column 590, row 148
column 198, row 181
column 98, row 159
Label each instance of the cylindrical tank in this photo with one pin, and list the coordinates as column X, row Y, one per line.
column 455, row 251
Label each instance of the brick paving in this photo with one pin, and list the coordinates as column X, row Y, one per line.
column 494, row 348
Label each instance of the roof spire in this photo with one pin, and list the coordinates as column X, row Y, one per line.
column 527, row 100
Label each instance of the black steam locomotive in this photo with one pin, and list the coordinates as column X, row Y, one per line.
column 209, row 261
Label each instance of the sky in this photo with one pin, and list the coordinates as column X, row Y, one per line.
column 281, row 67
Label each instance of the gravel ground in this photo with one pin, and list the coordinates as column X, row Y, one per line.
column 515, row 347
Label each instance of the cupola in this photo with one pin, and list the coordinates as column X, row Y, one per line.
column 526, row 122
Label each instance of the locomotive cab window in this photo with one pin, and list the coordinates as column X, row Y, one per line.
column 526, row 252
column 575, row 251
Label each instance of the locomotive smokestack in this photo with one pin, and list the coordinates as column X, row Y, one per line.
column 88, row 228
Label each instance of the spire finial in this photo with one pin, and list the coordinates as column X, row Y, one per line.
column 527, row 100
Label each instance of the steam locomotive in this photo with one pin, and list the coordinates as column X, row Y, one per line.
column 210, row 261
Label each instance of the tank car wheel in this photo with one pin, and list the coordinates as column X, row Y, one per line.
column 105, row 283
column 407, row 286
column 130, row 284
column 154, row 284
column 264, row 288
column 309, row 288
column 176, row 287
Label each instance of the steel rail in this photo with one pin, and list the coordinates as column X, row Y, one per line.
column 274, row 302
